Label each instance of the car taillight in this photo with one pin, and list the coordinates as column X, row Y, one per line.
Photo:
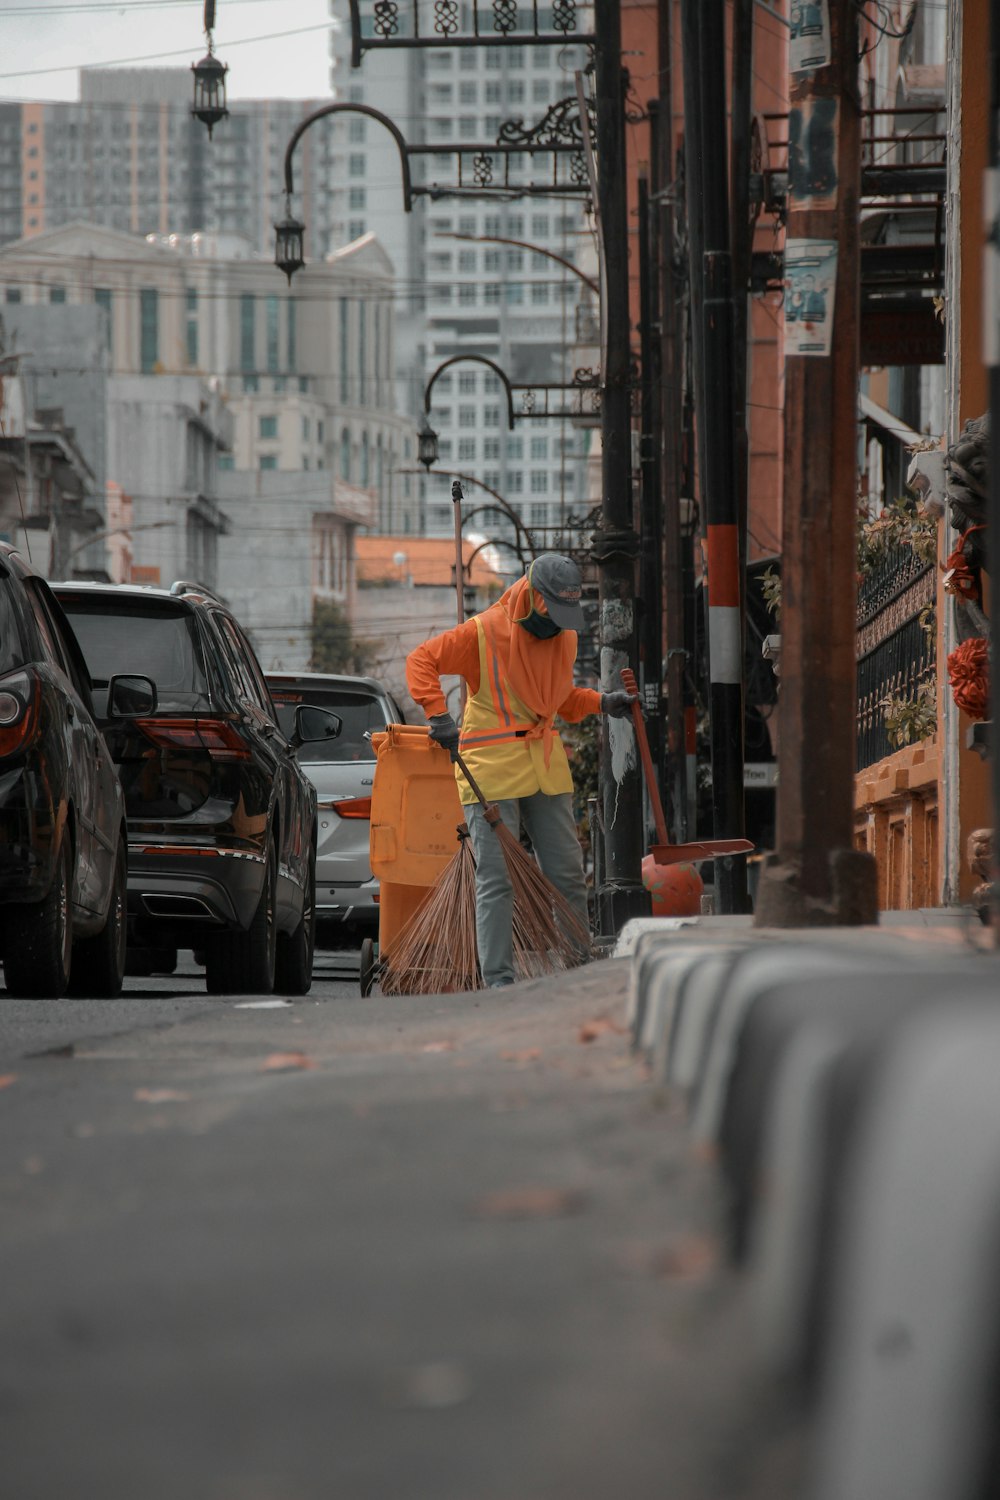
column 354, row 807
column 18, row 711
column 217, row 737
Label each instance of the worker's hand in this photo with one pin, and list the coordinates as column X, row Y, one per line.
column 445, row 732
column 618, row 705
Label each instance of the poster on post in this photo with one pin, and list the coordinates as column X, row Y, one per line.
column 809, row 43
column 812, row 153
column 810, row 286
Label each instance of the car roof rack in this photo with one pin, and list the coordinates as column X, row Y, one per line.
column 187, row 586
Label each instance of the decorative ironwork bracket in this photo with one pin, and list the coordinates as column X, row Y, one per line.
column 437, row 23
column 537, row 401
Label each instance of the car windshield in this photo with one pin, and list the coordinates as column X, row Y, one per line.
column 142, row 636
column 359, row 712
column 12, row 653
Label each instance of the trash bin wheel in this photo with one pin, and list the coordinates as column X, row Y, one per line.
column 369, row 966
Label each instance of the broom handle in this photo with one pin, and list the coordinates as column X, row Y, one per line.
column 631, row 686
column 471, row 780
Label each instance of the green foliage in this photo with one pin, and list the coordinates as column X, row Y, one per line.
column 770, row 587
column 583, row 741
column 334, row 647
column 911, row 719
column 904, row 523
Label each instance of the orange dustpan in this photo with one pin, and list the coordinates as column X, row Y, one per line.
column 664, row 853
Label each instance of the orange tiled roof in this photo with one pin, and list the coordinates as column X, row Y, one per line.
column 429, row 561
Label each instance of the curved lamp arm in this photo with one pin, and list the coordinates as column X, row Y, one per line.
column 356, row 109
column 478, row 359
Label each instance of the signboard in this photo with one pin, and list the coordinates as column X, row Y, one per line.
column 810, row 286
column 905, row 336
column 142, row 574
column 760, row 773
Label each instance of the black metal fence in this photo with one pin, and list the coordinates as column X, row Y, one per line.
column 895, row 653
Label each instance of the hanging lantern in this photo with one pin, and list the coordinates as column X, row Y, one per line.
column 289, row 246
column 209, row 91
column 427, row 444
column 209, row 80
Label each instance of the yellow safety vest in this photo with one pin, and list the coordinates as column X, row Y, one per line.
column 494, row 743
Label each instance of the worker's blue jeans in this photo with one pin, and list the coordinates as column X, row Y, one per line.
column 551, row 827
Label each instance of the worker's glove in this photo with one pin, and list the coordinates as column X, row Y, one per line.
column 446, row 733
column 618, row 705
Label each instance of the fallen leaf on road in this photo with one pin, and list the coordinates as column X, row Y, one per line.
column 286, row 1062
column 530, row 1203
column 431, row 1387
column 526, row 1054
column 438, row 1047
column 6, row 1079
column 160, row 1096
column 591, row 1030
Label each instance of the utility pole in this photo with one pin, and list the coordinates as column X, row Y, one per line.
column 671, row 359
column 816, row 877
column 742, row 245
column 708, row 175
column 991, row 320
column 651, row 517
column 615, row 543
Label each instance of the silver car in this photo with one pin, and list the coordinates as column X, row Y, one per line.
column 342, row 771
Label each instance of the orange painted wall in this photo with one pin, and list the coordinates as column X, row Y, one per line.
column 32, row 140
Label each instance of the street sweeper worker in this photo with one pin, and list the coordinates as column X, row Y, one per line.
column 517, row 661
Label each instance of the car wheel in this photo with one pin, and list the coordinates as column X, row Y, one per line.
column 99, row 962
column 40, row 942
column 242, row 963
column 369, row 966
column 294, row 960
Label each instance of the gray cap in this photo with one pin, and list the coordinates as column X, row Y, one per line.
column 559, row 581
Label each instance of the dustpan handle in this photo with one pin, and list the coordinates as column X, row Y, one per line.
column 631, row 686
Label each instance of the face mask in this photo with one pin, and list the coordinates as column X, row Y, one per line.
column 540, row 625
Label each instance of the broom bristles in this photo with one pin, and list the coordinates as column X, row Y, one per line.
column 435, row 952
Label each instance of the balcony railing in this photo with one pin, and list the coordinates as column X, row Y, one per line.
column 895, row 652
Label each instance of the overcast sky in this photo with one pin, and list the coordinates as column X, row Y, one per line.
column 71, row 34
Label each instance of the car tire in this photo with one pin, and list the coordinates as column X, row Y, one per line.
column 99, row 962
column 39, row 949
column 294, row 958
column 242, row 963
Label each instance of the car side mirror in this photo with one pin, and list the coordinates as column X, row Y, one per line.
column 313, row 725
column 131, row 697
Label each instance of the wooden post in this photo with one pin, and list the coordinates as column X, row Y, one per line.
column 816, row 877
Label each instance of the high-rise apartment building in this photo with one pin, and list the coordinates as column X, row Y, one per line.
column 460, row 292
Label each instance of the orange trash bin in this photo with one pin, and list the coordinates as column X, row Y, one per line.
column 414, row 828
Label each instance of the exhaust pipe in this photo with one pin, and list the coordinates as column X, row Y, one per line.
column 190, row 907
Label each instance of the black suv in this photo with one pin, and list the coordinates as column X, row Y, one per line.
column 62, row 814
column 221, row 820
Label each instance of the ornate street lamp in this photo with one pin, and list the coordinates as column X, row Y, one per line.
column 289, row 247
column 209, row 80
column 427, row 444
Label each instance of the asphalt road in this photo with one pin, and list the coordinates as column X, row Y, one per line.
column 446, row 1248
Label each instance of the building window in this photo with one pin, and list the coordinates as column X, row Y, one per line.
column 102, row 297
column 515, row 448
column 491, row 416
column 57, row 294
column 539, row 448
column 467, row 450
column 291, row 330
column 467, row 91
column 345, row 455
column 467, row 383
column 356, row 131
column 13, row 294
column 191, row 313
column 149, row 329
column 305, row 428
column 539, row 293
column 491, row 449
column 356, row 164
column 466, row 416
column 540, row 226
column 319, row 432
column 491, row 293
column 356, row 199
column 226, row 462
column 355, row 229
column 467, row 294
column 466, row 225
column 514, row 291
column 303, row 380
column 467, row 260
column 345, row 344
column 250, row 384
column 539, row 482
column 268, row 461
column 248, row 338
column 491, row 260
column 271, row 327
column 268, row 427
column 362, row 354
